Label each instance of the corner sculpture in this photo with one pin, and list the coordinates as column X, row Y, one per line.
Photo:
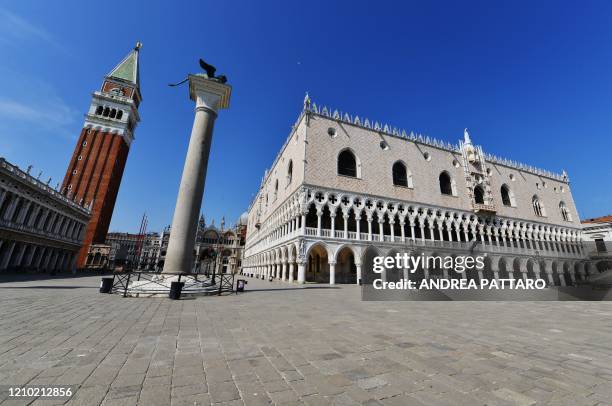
column 210, row 74
column 210, row 94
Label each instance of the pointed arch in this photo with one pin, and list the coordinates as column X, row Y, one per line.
column 538, row 206
column 565, row 214
column 289, row 172
column 479, row 195
column 507, row 196
column 348, row 164
column 447, row 184
column 400, row 174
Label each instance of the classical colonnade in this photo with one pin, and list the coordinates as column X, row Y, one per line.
column 23, row 255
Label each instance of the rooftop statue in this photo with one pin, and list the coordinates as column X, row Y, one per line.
column 209, row 72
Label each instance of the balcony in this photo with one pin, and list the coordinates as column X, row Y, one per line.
column 486, row 208
column 22, row 228
column 397, row 241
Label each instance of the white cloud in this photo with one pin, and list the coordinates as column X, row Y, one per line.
column 54, row 113
column 14, row 28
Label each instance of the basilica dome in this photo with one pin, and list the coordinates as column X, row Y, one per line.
column 243, row 220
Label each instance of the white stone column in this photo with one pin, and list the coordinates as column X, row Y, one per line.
column 209, row 96
column 402, row 225
column 358, row 226
column 358, row 268
column 291, row 270
column 284, row 275
column 381, row 230
column 301, row 272
column 332, row 273
column 345, row 217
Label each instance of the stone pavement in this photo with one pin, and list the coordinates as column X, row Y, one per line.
column 313, row 345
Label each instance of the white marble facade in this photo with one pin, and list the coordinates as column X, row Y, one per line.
column 343, row 189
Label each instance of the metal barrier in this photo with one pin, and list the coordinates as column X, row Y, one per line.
column 139, row 282
column 226, row 283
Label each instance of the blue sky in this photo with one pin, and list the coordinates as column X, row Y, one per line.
column 531, row 80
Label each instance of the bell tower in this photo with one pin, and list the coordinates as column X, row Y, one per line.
column 94, row 173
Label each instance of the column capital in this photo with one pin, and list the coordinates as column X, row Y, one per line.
column 209, row 94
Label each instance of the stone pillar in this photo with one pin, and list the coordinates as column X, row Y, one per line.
column 381, row 237
column 284, row 276
column 291, row 270
column 209, row 96
column 319, row 214
column 7, row 255
column 301, row 272
column 358, row 226
column 402, row 225
column 346, row 218
column 332, row 273
column 358, row 268
column 30, row 256
column 20, row 255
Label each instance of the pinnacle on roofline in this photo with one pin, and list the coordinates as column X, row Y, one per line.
column 310, row 106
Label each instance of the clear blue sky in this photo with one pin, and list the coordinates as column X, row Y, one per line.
column 531, row 80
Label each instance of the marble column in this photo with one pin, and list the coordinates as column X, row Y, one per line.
column 291, row 268
column 209, row 95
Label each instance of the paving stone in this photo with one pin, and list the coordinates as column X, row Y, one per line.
column 223, row 391
column 330, row 348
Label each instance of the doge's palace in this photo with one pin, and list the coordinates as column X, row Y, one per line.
column 344, row 189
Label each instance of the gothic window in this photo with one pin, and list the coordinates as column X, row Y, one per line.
column 290, row 172
column 507, row 196
column 446, row 186
column 400, row 177
column 119, row 114
column 275, row 189
column 564, row 212
column 478, row 195
column 347, row 164
column 538, row 207
column 99, row 110
column 106, row 112
column 113, row 113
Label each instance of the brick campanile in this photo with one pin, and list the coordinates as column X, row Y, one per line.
column 96, row 168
